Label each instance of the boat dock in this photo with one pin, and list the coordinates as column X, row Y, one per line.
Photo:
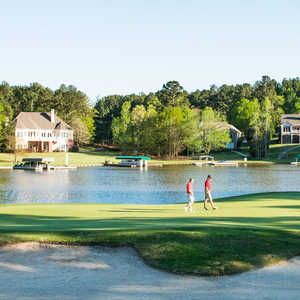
column 131, row 161
column 133, row 166
column 39, row 164
column 207, row 160
column 204, row 160
column 297, row 162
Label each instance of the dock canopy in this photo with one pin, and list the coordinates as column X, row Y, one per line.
column 39, row 159
column 134, row 157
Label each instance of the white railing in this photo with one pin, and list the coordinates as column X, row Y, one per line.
column 290, row 132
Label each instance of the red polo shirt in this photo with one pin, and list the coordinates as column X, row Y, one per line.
column 189, row 188
column 207, row 184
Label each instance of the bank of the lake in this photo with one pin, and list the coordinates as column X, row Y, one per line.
column 91, row 158
column 246, row 232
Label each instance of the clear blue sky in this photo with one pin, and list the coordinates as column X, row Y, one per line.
column 130, row 46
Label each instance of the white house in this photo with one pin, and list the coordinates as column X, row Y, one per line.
column 290, row 128
column 41, row 132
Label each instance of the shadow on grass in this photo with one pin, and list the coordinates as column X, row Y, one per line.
column 24, row 223
column 285, row 206
column 263, row 196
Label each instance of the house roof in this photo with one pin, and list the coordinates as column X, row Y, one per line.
column 39, row 120
column 224, row 125
column 293, row 119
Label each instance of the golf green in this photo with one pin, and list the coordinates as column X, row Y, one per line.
column 245, row 232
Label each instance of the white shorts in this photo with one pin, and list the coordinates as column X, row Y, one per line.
column 207, row 195
column 190, row 198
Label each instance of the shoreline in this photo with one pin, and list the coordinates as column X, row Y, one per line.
column 93, row 159
column 156, row 162
column 167, row 163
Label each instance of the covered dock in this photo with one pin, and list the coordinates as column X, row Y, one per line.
column 131, row 160
column 297, row 162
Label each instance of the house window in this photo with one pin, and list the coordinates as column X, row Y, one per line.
column 19, row 134
column 31, row 133
column 286, row 129
column 43, row 134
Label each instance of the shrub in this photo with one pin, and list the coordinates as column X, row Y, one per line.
column 75, row 148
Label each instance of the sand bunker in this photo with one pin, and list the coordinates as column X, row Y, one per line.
column 34, row 271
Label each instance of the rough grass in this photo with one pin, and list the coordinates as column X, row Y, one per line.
column 246, row 232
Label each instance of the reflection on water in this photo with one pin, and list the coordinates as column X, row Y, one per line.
column 155, row 185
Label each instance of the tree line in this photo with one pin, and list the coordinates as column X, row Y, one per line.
column 166, row 122
column 172, row 120
column 70, row 104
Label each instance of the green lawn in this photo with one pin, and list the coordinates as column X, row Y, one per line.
column 80, row 158
column 246, row 232
column 85, row 158
column 276, row 149
column 98, row 158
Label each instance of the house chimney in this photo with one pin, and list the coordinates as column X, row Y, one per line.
column 52, row 116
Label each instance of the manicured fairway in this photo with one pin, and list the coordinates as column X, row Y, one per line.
column 245, row 232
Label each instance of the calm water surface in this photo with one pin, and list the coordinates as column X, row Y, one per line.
column 154, row 186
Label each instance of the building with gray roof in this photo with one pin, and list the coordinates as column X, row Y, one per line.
column 41, row 132
column 290, row 129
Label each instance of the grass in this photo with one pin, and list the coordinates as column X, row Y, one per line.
column 246, row 232
column 97, row 158
column 274, row 151
column 75, row 158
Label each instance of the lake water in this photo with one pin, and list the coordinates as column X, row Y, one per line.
column 152, row 186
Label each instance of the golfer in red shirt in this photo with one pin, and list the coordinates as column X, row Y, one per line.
column 207, row 189
column 190, row 195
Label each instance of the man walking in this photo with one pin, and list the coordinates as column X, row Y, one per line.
column 190, row 195
column 207, row 189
